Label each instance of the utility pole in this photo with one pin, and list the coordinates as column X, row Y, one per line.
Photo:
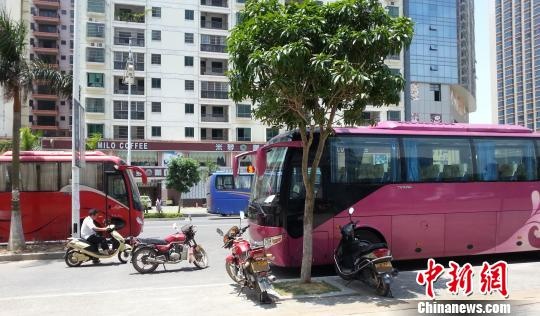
column 129, row 79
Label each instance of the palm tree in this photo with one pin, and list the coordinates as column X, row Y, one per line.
column 29, row 139
column 17, row 75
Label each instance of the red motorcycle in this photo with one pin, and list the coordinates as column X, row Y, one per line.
column 148, row 253
column 248, row 264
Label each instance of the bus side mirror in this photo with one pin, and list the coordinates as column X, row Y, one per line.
column 242, row 215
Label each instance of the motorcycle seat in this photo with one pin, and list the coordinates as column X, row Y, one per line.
column 153, row 241
column 371, row 247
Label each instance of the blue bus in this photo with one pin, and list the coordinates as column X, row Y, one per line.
column 226, row 195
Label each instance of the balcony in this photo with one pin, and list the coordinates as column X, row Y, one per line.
column 47, row 19
column 123, row 35
column 211, row 113
column 215, row 3
column 47, row 4
column 45, row 34
column 124, row 41
column 214, row 21
column 46, row 50
column 136, row 89
column 212, row 94
column 213, row 67
column 129, row 13
column 214, row 134
column 45, row 112
column 214, row 48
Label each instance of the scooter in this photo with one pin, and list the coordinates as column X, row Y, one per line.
column 79, row 250
column 248, row 264
column 364, row 260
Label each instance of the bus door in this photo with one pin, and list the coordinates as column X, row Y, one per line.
column 117, row 199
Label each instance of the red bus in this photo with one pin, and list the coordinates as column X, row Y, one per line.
column 106, row 184
column 428, row 190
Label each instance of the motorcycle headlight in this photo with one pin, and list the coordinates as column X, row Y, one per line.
column 257, row 244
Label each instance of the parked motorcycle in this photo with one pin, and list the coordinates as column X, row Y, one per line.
column 248, row 264
column 79, row 250
column 361, row 259
column 149, row 253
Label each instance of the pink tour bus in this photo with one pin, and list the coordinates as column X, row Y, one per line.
column 428, row 190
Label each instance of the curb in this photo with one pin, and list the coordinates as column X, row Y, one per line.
column 32, row 256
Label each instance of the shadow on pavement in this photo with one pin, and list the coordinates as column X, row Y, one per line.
column 160, row 270
column 253, row 297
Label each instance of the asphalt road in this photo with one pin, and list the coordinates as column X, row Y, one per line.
column 50, row 287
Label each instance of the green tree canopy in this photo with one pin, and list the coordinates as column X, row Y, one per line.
column 309, row 66
column 183, row 174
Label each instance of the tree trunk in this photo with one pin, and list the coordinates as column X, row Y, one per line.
column 307, row 250
column 180, row 203
column 16, row 235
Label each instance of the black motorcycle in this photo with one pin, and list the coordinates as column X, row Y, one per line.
column 364, row 260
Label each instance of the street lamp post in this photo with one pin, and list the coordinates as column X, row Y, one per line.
column 129, row 79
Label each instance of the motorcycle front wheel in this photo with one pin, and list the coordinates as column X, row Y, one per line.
column 123, row 256
column 140, row 260
column 201, row 259
column 71, row 258
column 232, row 271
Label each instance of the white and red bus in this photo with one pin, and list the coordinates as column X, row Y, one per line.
column 428, row 190
column 106, row 184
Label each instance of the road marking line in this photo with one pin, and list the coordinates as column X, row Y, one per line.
column 30, row 297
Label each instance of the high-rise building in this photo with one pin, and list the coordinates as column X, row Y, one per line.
column 439, row 64
column 516, row 66
column 51, row 41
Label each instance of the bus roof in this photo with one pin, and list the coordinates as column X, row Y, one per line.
column 454, row 127
column 59, row 156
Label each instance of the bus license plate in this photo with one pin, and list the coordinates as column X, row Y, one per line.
column 383, row 266
column 260, row 265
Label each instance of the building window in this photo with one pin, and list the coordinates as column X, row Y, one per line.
column 95, row 30
column 156, row 83
column 94, row 129
column 156, row 131
column 189, row 131
column 271, row 132
column 63, row 57
column 95, row 105
column 243, row 110
column 156, row 35
column 120, row 132
column 433, row 47
column 62, row 118
column 95, row 80
column 95, row 55
column 71, row 29
column 96, row 6
column 188, row 61
column 190, row 108
column 393, row 116
column 188, row 38
column 393, row 11
column 189, row 85
column 156, row 107
column 436, row 88
column 156, row 12
column 243, row 134
column 156, row 59
column 434, row 67
column 71, row 59
column 189, row 15
column 120, row 109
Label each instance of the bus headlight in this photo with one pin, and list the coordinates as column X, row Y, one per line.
column 271, row 241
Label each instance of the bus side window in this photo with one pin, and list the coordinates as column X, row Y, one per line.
column 5, row 182
column 117, row 189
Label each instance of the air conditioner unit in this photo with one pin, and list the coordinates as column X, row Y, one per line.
column 91, row 19
column 92, row 44
column 99, row 44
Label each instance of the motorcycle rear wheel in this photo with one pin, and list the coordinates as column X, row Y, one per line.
column 71, row 259
column 201, row 258
column 140, row 262
column 381, row 288
column 232, row 271
column 264, row 298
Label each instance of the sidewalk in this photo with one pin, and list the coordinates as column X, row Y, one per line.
column 186, row 211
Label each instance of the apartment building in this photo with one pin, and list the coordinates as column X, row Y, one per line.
column 516, row 62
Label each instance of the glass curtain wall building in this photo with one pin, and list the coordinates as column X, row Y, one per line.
column 438, row 66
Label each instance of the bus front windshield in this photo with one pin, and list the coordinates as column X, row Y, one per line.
column 134, row 192
column 269, row 183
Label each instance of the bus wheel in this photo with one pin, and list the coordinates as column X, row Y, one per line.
column 71, row 258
